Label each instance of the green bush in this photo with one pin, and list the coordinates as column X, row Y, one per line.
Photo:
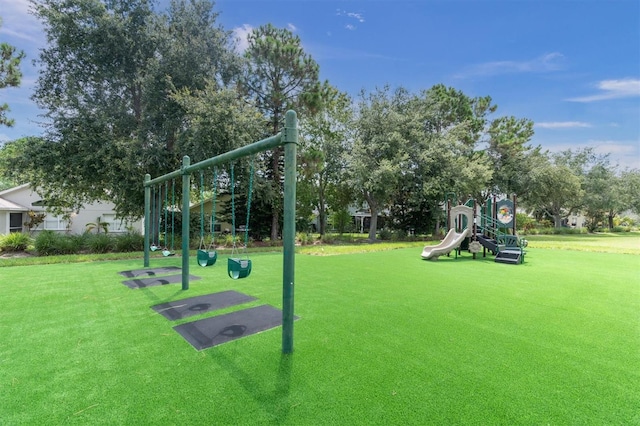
column 385, row 234
column 304, row 238
column 524, row 222
column 131, row 241
column 15, row 241
column 99, row 243
column 71, row 244
column 399, row 235
column 327, row 239
column 47, row 243
column 227, row 240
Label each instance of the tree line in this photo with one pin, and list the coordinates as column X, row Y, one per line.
column 127, row 90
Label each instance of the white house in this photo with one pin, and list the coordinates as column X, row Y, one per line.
column 15, row 204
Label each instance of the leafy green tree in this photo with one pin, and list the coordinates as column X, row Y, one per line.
column 450, row 161
column 325, row 143
column 377, row 157
column 278, row 76
column 602, row 194
column 109, row 73
column 630, row 189
column 509, row 154
column 9, row 151
column 556, row 189
column 10, row 75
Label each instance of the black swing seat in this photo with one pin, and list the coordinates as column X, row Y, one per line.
column 206, row 258
column 238, row 268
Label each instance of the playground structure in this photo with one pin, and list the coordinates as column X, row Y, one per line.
column 288, row 138
column 481, row 228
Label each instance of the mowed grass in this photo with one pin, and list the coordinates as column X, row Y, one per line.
column 619, row 242
column 383, row 338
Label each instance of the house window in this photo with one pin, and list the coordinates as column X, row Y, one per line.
column 55, row 223
column 15, row 222
column 115, row 225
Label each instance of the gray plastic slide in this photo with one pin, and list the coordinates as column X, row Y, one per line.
column 451, row 241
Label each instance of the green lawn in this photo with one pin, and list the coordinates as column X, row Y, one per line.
column 383, row 338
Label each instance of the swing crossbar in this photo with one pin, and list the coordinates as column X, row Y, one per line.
column 288, row 138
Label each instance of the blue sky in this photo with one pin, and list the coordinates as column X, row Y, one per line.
column 573, row 67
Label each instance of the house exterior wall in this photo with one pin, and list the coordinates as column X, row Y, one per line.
column 25, row 196
column 4, row 223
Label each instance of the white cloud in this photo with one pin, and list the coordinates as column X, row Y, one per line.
column 352, row 15
column 545, row 63
column 612, row 89
column 240, row 34
column 292, row 27
column 561, row 124
column 15, row 7
column 622, row 153
column 19, row 23
column 357, row 16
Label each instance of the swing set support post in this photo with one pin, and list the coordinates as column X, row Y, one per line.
column 290, row 139
column 186, row 189
column 147, row 223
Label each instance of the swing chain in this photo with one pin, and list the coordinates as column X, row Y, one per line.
column 246, row 228
column 233, row 212
column 213, row 208
column 233, row 208
column 173, row 210
column 201, row 209
column 166, row 210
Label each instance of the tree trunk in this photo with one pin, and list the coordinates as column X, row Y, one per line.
column 557, row 220
column 322, row 220
column 373, row 224
column 610, row 216
column 322, row 211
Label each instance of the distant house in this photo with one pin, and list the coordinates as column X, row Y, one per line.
column 17, row 202
column 220, row 226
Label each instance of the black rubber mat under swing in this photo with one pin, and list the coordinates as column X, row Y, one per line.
column 213, row 331
column 149, row 272
column 185, row 308
column 155, row 281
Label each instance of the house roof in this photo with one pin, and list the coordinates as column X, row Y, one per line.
column 10, row 206
column 15, row 188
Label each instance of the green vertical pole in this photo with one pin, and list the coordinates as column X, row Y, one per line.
column 290, row 136
column 147, row 219
column 186, row 189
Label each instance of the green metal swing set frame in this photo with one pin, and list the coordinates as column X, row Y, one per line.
column 288, row 138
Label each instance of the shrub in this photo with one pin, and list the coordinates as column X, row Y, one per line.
column 15, row 241
column 227, row 240
column 399, row 235
column 385, row 234
column 47, row 243
column 71, row 244
column 304, row 238
column 327, row 239
column 131, row 241
column 99, row 243
column 524, row 222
